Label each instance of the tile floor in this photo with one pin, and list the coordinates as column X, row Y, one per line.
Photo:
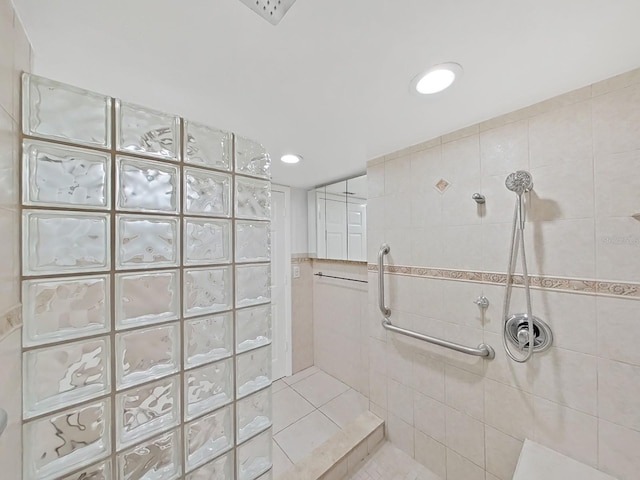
column 308, row 409
column 390, row 463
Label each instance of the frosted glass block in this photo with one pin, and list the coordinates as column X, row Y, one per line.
column 208, row 388
column 252, row 158
column 147, row 186
column 253, row 199
column 207, row 241
column 147, row 410
column 253, row 241
column 60, row 176
column 207, row 146
column 146, row 298
column 63, row 242
column 207, row 290
column 208, row 437
column 58, row 376
column 253, row 328
column 147, row 242
column 219, row 469
column 148, row 132
column 155, row 459
column 253, row 284
column 207, row 193
column 144, row 355
column 64, row 308
column 254, row 414
column 99, row 471
column 66, row 441
column 62, row 112
column 254, row 456
column 208, row 339
column 253, row 371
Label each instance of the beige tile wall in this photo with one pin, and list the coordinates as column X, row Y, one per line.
column 340, row 328
column 466, row 418
column 15, row 57
column 302, row 315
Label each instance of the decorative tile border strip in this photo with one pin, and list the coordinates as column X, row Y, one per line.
column 10, row 321
column 573, row 285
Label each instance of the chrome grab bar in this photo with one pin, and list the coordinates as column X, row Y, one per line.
column 384, row 250
column 483, row 349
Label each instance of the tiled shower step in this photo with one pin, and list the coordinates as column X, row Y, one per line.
column 339, row 455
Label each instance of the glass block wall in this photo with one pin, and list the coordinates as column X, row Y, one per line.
column 146, row 290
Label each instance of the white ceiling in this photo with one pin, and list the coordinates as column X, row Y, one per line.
column 330, row 82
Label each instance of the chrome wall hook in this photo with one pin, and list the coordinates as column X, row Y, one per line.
column 479, row 198
column 482, row 302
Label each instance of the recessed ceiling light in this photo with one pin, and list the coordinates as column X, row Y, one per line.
column 436, row 79
column 290, row 158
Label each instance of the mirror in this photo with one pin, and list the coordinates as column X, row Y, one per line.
column 338, row 220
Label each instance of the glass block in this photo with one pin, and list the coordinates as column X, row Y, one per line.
column 253, row 284
column 207, row 339
column 253, row 199
column 147, row 132
column 147, row 186
column 146, row 298
column 62, row 112
column 147, row 410
column 143, row 355
column 62, row 242
column 155, row 459
column 253, row 328
column 252, row 158
column 219, row 469
column 208, row 388
column 58, row 376
column 208, row 437
column 64, row 308
column 60, row 176
column 147, row 242
column 254, row 456
column 253, row 241
column 253, row 371
column 207, row 241
column 207, row 193
column 207, row 146
column 207, row 290
column 99, row 471
column 60, row 443
column 254, row 414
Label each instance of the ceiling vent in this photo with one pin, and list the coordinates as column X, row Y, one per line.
column 271, row 10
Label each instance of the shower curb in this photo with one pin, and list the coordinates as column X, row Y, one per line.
column 342, row 453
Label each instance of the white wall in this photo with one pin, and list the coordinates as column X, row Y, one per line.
column 299, row 243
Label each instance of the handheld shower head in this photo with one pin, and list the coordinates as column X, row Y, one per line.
column 519, row 182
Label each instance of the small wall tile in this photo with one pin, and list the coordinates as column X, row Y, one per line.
column 431, row 454
column 502, row 453
column 465, row 435
column 566, row 430
column 618, row 393
column 618, row 450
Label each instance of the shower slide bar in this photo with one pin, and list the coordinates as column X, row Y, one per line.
column 483, row 349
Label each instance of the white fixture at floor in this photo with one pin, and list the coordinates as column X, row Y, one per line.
column 290, row 158
column 271, row 10
column 436, row 79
